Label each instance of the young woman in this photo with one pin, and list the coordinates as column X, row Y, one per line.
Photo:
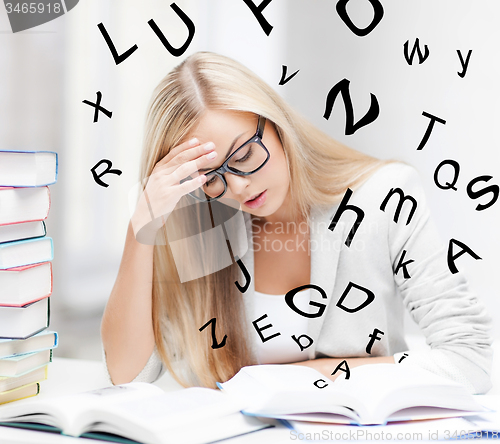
column 353, row 231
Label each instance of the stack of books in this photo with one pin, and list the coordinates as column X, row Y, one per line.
column 25, row 271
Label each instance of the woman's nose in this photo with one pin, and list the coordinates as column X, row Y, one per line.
column 236, row 184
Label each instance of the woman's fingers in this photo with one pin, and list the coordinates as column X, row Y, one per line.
column 175, row 175
column 176, row 150
column 184, row 153
column 191, row 185
column 190, row 168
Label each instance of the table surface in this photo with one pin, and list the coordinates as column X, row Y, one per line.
column 69, row 376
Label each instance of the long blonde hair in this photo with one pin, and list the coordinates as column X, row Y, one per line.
column 320, row 168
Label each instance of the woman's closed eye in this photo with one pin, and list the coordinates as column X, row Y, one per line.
column 211, row 181
column 246, row 156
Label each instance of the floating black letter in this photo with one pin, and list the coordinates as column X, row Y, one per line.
column 117, row 58
column 429, row 128
column 108, row 170
column 259, row 329
column 320, row 380
column 476, row 194
column 289, row 301
column 215, row 344
column 350, row 127
column 452, row 257
column 346, row 369
column 176, row 52
column 360, row 32
column 297, row 340
column 456, row 167
column 464, row 64
column 360, row 214
column 402, row 198
column 257, row 12
column 98, row 107
column 285, row 79
column 247, row 276
column 403, row 265
column 373, row 337
column 416, row 47
column 369, row 299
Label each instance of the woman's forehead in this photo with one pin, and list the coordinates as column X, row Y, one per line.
column 223, row 126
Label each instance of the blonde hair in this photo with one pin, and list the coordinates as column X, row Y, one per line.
column 320, row 168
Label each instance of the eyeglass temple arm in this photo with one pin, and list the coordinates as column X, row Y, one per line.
column 260, row 126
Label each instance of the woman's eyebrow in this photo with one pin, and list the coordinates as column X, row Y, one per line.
column 227, row 154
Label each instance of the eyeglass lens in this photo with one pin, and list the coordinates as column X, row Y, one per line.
column 247, row 159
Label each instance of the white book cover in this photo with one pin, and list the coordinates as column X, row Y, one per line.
column 20, row 286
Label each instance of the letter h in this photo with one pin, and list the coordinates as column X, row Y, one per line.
column 360, row 214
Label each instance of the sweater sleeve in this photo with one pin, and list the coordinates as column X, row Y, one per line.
column 454, row 321
column 152, row 371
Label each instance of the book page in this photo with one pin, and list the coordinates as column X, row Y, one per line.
column 386, row 388
column 164, row 413
column 176, row 407
column 64, row 411
column 286, row 389
column 430, row 430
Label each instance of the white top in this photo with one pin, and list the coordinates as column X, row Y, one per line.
column 280, row 349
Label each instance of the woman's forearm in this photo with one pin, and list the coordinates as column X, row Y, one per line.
column 127, row 326
column 327, row 366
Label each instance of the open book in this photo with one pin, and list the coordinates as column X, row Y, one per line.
column 137, row 411
column 373, row 394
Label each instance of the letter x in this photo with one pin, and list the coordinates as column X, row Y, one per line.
column 98, row 107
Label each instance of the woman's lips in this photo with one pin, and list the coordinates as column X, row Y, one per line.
column 258, row 201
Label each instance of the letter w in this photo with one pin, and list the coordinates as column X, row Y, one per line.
column 350, row 127
column 416, row 48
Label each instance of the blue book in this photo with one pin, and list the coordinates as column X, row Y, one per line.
column 28, row 168
column 44, row 340
column 24, row 230
column 25, row 252
column 24, row 322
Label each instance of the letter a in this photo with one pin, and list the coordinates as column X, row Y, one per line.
column 452, row 257
column 346, row 369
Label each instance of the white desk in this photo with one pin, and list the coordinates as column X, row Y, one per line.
column 68, row 376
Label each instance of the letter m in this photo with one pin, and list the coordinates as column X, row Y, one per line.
column 402, row 199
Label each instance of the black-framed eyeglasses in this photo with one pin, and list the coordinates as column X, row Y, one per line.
column 247, row 159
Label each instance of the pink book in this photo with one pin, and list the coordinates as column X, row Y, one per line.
column 24, row 285
column 23, row 204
